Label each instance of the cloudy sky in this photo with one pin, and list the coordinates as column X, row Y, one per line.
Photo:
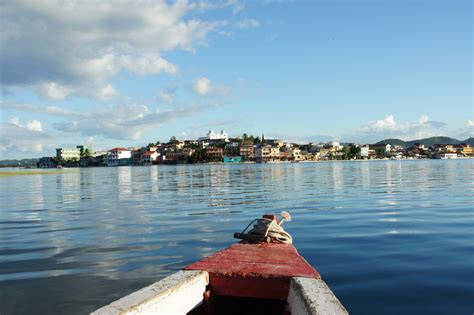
column 108, row 73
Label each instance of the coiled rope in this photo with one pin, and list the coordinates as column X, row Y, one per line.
column 268, row 230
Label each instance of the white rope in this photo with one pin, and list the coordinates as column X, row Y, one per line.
column 269, row 228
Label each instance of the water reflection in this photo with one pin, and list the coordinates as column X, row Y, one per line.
column 124, row 176
column 124, row 227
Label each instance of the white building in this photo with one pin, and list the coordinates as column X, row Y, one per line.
column 266, row 153
column 68, row 154
column 116, row 154
column 297, row 154
column 446, row 155
column 211, row 135
column 149, row 157
column 336, row 145
column 364, row 151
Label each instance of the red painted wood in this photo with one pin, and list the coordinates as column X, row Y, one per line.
column 259, row 270
column 250, row 286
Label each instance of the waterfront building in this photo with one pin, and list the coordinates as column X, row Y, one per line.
column 187, row 152
column 119, row 156
column 148, row 157
column 137, row 155
column 334, row 146
column 449, row 148
column 445, row 155
column 85, row 161
column 93, row 160
column 47, row 162
column 232, row 149
column 297, row 156
column 285, row 155
column 466, row 149
column 267, row 153
column 324, row 153
column 64, row 154
column 246, row 150
column 214, row 153
column 364, row 151
column 171, row 156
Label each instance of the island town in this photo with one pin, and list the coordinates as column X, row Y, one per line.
column 218, row 147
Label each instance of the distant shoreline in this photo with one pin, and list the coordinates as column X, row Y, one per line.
column 46, row 171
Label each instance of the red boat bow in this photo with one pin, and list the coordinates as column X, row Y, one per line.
column 261, row 270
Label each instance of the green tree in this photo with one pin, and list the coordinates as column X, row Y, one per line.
column 345, row 152
column 380, row 152
column 354, row 151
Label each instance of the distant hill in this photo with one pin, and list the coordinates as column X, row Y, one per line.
column 434, row 140
column 469, row 141
column 17, row 163
column 426, row 141
column 393, row 142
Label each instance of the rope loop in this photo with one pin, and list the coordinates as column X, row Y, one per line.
column 268, row 230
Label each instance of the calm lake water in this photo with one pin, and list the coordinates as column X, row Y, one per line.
column 389, row 237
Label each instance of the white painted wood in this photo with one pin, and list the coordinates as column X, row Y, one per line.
column 176, row 294
column 310, row 296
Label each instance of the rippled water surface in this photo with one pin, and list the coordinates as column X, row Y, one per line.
column 389, row 237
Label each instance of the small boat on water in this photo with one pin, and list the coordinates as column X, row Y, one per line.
column 262, row 274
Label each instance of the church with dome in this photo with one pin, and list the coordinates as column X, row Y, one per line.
column 211, row 135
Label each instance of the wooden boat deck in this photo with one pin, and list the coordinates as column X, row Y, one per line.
column 261, row 270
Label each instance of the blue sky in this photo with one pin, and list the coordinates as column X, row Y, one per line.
column 129, row 73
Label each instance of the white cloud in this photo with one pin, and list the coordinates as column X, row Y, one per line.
column 62, row 48
column 53, row 91
column 388, row 127
column 165, row 97
column 29, row 140
column 388, row 123
column 34, row 125
column 247, row 23
column 424, row 119
column 147, row 65
column 470, row 123
column 15, row 121
column 236, row 5
column 203, row 86
column 122, row 122
column 106, row 92
column 49, row 110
